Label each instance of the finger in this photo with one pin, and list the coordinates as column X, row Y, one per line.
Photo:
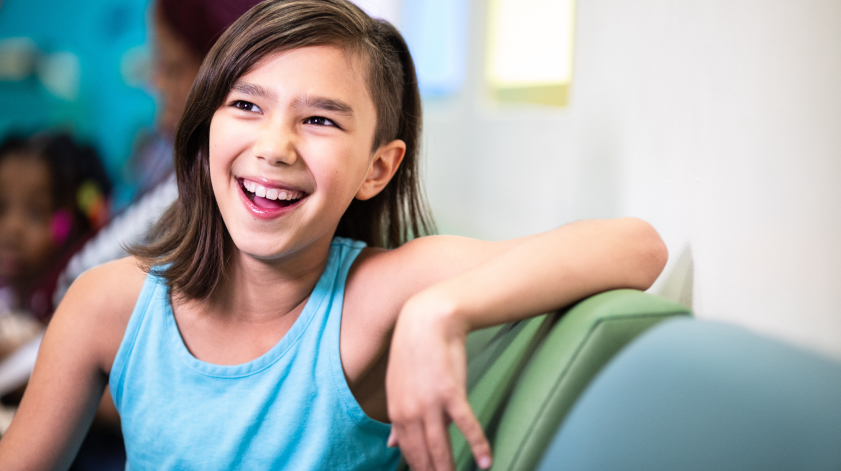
column 438, row 441
column 413, row 445
column 465, row 420
column 392, row 439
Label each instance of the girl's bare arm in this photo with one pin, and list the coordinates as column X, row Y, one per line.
column 504, row 282
column 72, row 369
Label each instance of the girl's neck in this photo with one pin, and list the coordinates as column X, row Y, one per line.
column 261, row 290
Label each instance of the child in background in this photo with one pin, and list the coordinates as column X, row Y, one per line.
column 52, row 197
column 281, row 318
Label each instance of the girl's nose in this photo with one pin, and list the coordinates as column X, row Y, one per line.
column 276, row 147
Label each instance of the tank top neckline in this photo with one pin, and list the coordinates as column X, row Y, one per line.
column 319, row 293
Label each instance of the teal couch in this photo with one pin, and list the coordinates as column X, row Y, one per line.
column 701, row 395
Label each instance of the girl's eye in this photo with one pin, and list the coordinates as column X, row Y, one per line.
column 246, row 106
column 319, row 121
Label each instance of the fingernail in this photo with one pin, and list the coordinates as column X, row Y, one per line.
column 390, row 442
column 485, row 462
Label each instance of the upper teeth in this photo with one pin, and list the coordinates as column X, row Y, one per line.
column 271, row 193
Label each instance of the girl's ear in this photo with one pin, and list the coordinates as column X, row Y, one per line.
column 386, row 161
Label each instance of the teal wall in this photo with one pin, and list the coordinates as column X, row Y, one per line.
column 106, row 111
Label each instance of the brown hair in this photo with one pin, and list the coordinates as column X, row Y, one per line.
column 192, row 244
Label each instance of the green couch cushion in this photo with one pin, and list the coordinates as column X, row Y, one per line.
column 492, row 373
column 523, row 377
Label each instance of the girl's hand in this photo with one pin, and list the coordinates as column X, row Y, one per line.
column 426, row 386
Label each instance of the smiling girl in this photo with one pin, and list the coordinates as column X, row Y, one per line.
column 281, row 318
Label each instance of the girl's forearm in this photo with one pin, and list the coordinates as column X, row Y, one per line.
column 547, row 272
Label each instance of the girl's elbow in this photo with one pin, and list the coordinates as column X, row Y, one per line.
column 658, row 256
column 652, row 251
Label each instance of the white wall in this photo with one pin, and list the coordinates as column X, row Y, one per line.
column 717, row 121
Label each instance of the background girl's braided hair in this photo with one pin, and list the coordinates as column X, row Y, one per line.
column 191, row 243
column 72, row 166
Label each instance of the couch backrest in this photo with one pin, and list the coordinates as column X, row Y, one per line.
column 700, row 395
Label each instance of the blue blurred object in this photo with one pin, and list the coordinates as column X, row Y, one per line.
column 78, row 82
column 699, row 395
column 436, row 31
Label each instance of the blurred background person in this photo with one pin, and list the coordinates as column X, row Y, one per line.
column 53, row 194
column 183, row 33
column 52, row 198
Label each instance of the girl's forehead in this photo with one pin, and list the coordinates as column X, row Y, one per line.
column 326, row 62
column 329, row 71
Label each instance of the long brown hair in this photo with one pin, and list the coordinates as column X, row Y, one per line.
column 192, row 244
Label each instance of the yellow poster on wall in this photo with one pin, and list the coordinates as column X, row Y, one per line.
column 530, row 50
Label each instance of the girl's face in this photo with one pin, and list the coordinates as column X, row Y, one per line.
column 26, row 210
column 290, row 148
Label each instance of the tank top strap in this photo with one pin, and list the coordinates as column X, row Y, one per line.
column 150, row 297
column 348, row 250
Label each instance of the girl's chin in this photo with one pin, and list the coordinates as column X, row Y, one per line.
column 272, row 247
column 261, row 251
column 263, row 248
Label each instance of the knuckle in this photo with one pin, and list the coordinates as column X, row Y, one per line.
column 479, row 445
column 463, row 415
column 447, row 386
column 425, row 403
column 405, row 411
column 448, row 392
column 398, row 416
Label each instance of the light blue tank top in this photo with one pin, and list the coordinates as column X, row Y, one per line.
column 290, row 409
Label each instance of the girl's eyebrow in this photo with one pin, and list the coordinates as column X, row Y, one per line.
column 254, row 90
column 305, row 101
column 323, row 103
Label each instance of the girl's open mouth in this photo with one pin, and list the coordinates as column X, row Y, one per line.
column 269, row 198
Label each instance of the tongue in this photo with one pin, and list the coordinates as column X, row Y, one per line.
column 266, row 203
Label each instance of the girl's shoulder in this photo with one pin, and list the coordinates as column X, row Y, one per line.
column 112, row 286
column 101, row 301
column 380, row 282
